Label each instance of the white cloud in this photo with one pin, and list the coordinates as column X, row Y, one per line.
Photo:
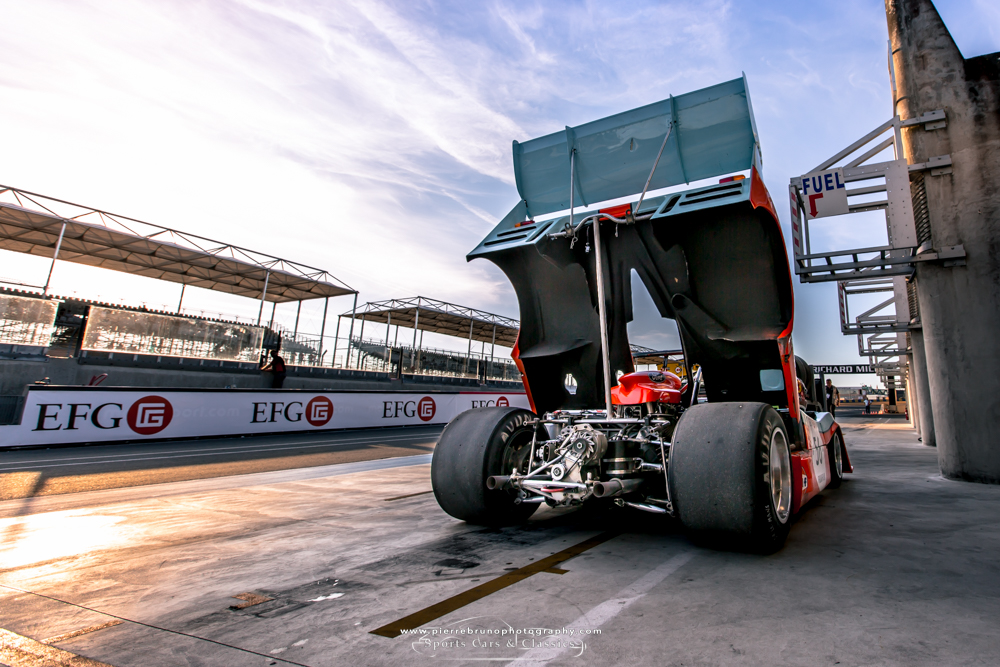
column 372, row 138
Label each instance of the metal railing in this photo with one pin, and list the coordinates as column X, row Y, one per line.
column 110, row 330
column 26, row 321
column 85, row 329
column 397, row 360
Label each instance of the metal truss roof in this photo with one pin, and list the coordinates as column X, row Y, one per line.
column 31, row 223
column 645, row 355
column 447, row 318
column 441, row 317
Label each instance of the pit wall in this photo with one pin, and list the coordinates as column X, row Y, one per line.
column 16, row 375
column 82, row 415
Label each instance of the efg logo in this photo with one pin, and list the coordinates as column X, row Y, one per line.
column 501, row 402
column 319, row 411
column 149, row 415
column 426, row 409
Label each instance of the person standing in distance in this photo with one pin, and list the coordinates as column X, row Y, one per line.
column 832, row 397
column 277, row 367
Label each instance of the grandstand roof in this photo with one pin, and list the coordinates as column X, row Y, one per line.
column 441, row 317
column 31, row 223
column 452, row 320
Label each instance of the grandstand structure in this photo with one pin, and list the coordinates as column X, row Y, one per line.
column 63, row 340
column 421, row 314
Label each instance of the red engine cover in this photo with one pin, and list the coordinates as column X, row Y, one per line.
column 647, row 387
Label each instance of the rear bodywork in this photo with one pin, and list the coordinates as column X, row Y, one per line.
column 712, row 258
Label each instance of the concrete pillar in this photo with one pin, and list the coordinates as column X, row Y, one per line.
column 959, row 305
column 912, row 407
column 922, row 390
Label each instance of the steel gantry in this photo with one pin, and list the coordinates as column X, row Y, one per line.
column 851, row 182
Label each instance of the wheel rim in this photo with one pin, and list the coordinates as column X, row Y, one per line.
column 838, row 457
column 780, row 475
column 515, row 452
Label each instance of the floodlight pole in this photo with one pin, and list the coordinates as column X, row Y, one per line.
column 493, row 346
column 413, row 350
column 322, row 330
column 181, row 301
column 263, row 295
column 468, row 354
column 336, row 337
column 361, row 337
column 350, row 335
column 420, row 349
column 45, row 290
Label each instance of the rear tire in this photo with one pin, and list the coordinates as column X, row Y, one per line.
column 475, row 445
column 835, row 449
column 729, row 473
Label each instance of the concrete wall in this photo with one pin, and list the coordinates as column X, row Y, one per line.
column 959, row 305
column 14, row 375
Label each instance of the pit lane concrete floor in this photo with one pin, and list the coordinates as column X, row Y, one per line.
column 897, row 567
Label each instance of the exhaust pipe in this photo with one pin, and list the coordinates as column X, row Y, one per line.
column 645, row 507
column 616, row 487
column 497, row 482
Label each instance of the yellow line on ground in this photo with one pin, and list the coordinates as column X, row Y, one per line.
column 416, row 620
column 84, row 631
column 251, row 600
column 409, row 495
column 18, row 651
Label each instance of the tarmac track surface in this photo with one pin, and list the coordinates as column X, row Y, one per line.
column 29, row 473
column 323, row 566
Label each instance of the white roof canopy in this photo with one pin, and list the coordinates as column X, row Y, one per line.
column 32, row 224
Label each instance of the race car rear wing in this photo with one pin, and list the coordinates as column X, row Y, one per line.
column 712, row 132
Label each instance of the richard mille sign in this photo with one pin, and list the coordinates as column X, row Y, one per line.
column 845, row 369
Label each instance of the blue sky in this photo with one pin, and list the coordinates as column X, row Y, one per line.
column 372, row 139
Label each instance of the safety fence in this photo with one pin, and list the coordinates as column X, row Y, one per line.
column 57, row 327
column 382, row 356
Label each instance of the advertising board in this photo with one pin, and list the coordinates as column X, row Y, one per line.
column 845, row 369
column 57, row 415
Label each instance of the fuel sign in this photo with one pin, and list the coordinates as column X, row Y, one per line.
column 824, row 193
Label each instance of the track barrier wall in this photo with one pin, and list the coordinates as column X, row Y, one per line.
column 75, row 415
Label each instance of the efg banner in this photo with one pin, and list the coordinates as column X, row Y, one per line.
column 62, row 415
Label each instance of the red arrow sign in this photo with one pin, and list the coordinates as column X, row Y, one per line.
column 812, row 203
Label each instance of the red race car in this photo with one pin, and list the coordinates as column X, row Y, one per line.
column 737, row 463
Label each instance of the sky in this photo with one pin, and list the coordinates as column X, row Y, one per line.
column 372, row 139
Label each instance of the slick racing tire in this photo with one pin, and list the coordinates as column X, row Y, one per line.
column 835, row 449
column 475, row 445
column 729, row 475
